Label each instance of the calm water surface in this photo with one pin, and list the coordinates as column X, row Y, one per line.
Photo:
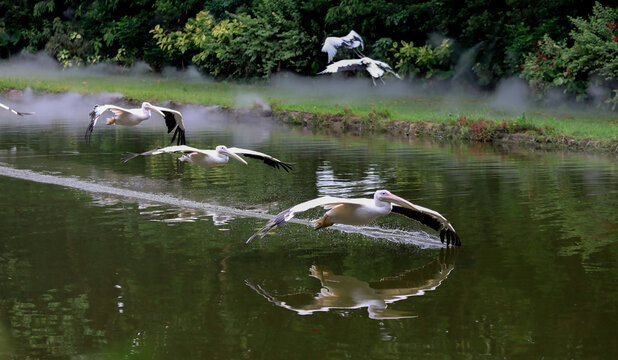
column 100, row 259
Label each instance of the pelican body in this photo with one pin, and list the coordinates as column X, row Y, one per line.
column 364, row 211
column 375, row 68
column 219, row 156
column 134, row 117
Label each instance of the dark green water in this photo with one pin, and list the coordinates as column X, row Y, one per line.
column 147, row 260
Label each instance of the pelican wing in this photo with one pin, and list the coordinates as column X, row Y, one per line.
column 286, row 215
column 96, row 113
column 354, row 40
column 267, row 159
column 344, row 65
column 165, row 150
column 430, row 218
column 173, row 120
column 20, row 113
column 331, row 44
column 387, row 67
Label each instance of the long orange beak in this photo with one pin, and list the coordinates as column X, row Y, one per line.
column 399, row 201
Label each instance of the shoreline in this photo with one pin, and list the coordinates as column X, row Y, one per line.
column 506, row 132
column 481, row 131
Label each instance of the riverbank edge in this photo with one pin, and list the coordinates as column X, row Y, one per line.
column 463, row 129
column 506, row 132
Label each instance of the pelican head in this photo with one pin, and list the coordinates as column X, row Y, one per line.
column 222, row 149
column 148, row 106
column 387, row 196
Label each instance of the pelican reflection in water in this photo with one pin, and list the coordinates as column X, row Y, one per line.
column 348, row 292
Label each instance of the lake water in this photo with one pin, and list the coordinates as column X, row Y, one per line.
column 147, row 259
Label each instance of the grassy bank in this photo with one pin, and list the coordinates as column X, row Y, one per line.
column 379, row 107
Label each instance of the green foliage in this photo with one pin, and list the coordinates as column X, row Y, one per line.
column 243, row 46
column 595, row 47
column 548, row 67
column 66, row 45
column 425, row 61
column 592, row 58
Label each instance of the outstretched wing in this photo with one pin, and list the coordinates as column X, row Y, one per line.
column 331, row 44
column 20, row 113
column 267, row 159
column 97, row 111
column 286, row 215
column 166, row 150
column 354, row 40
column 173, row 120
column 387, row 67
column 344, row 65
column 430, row 218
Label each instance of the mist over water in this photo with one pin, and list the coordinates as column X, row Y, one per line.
column 511, row 96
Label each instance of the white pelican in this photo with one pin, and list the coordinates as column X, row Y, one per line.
column 132, row 117
column 219, row 156
column 363, row 211
column 350, row 41
column 20, row 113
column 375, row 68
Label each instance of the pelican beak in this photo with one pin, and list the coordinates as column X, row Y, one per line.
column 399, row 201
column 154, row 108
column 232, row 155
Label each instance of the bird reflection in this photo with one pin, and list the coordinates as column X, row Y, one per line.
column 348, row 292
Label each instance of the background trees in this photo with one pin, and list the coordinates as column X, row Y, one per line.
column 244, row 39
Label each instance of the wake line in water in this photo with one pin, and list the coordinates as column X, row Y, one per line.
column 420, row 238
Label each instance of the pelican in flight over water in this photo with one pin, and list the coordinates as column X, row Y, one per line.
column 375, row 68
column 363, row 211
column 20, row 113
column 210, row 158
column 350, row 41
column 133, row 117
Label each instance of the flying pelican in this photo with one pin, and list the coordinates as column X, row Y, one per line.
column 20, row 113
column 374, row 67
column 363, row 211
column 350, row 41
column 132, row 117
column 219, row 156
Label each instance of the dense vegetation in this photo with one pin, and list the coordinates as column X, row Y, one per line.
column 565, row 44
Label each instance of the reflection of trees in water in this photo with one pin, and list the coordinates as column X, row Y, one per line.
column 53, row 322
column 341, row 292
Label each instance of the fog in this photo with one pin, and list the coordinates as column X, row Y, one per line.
column 511, row 95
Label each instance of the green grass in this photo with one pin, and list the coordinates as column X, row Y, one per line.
column 577, row 124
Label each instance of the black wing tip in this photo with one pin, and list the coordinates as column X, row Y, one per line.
column 282, row 165
column 271, row 224
column 179, row 137
column 129, row 156
column 450, row 236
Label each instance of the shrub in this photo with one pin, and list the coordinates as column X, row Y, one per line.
column 243, row 46
column 424, row 61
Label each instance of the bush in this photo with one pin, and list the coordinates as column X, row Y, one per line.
column 593, row 58
column 244, row 46
column 424, row 61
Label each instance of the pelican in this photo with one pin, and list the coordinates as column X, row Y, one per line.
column 132, row 117
column 211, row 158
column 20, row 113
column 363, row 211
column 350, row 41
column 375, row 68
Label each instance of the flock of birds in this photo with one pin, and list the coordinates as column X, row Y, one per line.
column 352, row 41
column 349, row 211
